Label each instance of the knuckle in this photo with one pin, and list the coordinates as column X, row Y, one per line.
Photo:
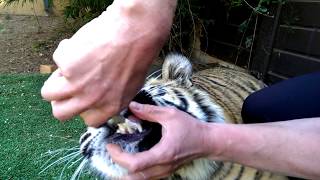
column 149, row 109
column 60, row 58
column 133, row 167
column 87, row 99
column 109, row 110
column 168, row 156
column 172, row 111
column 74, row 87
column 130, row 7
column 57, row 54
column 78, row 85
column 59, row 114
column 44, row 92
column 91, row 98
column 115, row 108
column 84, row 104
column 63, row 42
column 168, row 169
column 66, row 71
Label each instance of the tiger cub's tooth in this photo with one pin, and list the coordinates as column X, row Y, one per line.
column 139, row 127
column 134, row 125
column 121, row 128
column 130, row 130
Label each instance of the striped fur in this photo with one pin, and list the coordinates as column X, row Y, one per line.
column 212, row 95
column 223, row 89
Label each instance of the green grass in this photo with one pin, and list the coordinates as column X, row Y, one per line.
column 28, row 130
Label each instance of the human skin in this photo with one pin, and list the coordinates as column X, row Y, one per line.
column 103, row 65
column 288, row 147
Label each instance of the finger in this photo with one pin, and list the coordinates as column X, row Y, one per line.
column 135, row 176
column 57, row 87
column 63, row 55
column 97, row 116
column 67, row 108
column 69, row 56
column 150, row 112
column 133, row 162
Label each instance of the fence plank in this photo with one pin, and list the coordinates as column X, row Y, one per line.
column 303, row 40
column 290, row 64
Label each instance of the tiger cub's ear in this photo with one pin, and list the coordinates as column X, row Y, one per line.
column 178, row 68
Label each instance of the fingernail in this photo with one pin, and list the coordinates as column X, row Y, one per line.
column 135, row 106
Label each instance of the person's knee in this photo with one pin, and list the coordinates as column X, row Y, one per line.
column 246, row 109
column 251, row 111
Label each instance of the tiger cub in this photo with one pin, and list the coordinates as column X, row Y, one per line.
column 212, row 95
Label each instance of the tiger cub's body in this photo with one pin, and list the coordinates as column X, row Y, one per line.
column 212, row 95
column 228, row 87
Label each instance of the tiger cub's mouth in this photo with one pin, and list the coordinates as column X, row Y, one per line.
column 134, row 129
column 130, row 130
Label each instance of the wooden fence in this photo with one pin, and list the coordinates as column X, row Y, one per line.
column 285, row 45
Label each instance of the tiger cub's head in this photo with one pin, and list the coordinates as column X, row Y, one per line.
column 172, row 88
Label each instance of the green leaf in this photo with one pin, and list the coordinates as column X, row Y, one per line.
column 243, row 26
column 248, row 41
column 262, row 9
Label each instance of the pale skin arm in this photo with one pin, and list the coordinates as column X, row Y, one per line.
column 103, row 65
column 289, row 147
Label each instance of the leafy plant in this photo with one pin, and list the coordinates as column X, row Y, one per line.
column 260, row 7
column 86, row 9
column 82, row 11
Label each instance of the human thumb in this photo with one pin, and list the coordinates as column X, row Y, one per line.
column 148, row 112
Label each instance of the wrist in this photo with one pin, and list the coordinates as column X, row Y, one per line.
column 133, row 6
column 139, row 23
column 156, row 12
column 218, row 140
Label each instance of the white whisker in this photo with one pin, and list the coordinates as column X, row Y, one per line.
column 77, row 171
column 44, row 164
column 60, row 160
column 66, row 165
column 79, row 174
column 75, row 162
column 153, row 74
column 57, row 152
column 166, row 84
column 158, row 76
column 66, row 138
column 49, row 153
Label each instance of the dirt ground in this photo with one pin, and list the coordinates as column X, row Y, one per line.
column 24, row 46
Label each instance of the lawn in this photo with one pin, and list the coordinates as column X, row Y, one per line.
column 28, row 131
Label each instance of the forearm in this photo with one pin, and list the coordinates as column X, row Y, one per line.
column 154, row 16
column 141, row 28
column 289, row 147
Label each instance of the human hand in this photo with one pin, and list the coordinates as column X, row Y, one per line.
column 183, row 138
column 103, row 65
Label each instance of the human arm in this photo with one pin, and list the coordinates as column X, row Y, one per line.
column 290, row 147
column 103, row 65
